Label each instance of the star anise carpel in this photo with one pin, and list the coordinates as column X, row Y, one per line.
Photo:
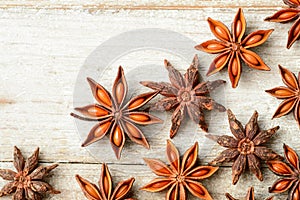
column 287, row 15
column 114, row 116
column 250, row 195
column 234, row 47
column 289, row 172
column 27, row 182
column 246, row 148
column 186, row 95
column 290, row 94
column 180, row 175
column 105, row 190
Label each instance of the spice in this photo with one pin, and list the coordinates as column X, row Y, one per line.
column 27, row 182
column 234, row 47
column 186, row 95
column 246, row 147
column 105, row 190
column 180, row 175
column 250, row 195
column 290, row 172
column 287, row 15
column 290, row 94
column 115, row 117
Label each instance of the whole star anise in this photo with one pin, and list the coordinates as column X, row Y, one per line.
column 179, row 176
column 27, row 182
column 246, row 147
column 291, row 94
column 114, row 116
column 186, row 95
column 290, row 172
column 287, row 15
column 105, row 190
column 234, row 47
column 250, row 195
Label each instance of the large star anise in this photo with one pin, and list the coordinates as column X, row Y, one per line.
column 114, row 116
column 290, row 172
column 234, row 47
column 186, row 95
column 250, row 195
column 179, row 176
column 105, row 190
column 246, row 147
column 27, row 182
column 286, row 15
column 291, row 94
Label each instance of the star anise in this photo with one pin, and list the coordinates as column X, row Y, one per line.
column 105, row 190
column 290, row 172
column 179, row 176
column 250, row 195
column 234, row 47
column 246, row 147
column 114, row 116
column 186, row 95
column 287, row 15
column 291, row 94
column 27, row 182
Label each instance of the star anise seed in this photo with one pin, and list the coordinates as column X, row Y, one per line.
column 250, row 195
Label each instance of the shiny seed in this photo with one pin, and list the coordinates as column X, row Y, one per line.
column 139, row 117
column 133, row 130
column 292, row 158
column 159, row 184
column 221, row 32
column 250, row 58
column 136, row 103
column 221, row 61
column 286, row 15
column 104, row 97
column 287, row 106
column 254, row 39
column 117, row 138
column 120, row 89
column 296, row 30
column 215, row 46
column 282, row 185
column 289, row 78
column 91, row 191
column 106, row 184
column 101, row 129
column 238, row 28
column 197, row 188
column 282, row 93
column 122, row 190
column 201, row 172
column 280, row 168
column 234, row 68
column 96, row 111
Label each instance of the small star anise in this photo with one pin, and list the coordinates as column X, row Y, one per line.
column 290, row 172
column 246, row 147
column 114, row 116
column 250, row 195
column 234, row 47
column 27, row 182
column 186, row 95
column 105, row 190
column 291, row 94
column 287, row 15
column 179, row 175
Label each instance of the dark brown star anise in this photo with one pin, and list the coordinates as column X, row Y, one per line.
column 234, row 47
column 287, row 15
column 105, row 190
column 27, row 182
column 290, row 172
column 291, row 94
column 186, row 95
column 179, row 176
column 114, row 116
column 250, row 195
column 246, row 147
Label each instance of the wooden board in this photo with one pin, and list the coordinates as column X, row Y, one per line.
column 44, row 44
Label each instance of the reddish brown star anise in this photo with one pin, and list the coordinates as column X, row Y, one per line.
column 290, row 172
column 186, row 95
column 291, row 94
column 105, row 190
column 179, row 175
column 250, row 195
column 246, row 149
column 287, row 15
column 234, row 47
column 27, row 182
column 114, row 116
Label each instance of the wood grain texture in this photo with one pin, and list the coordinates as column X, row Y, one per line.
column 43, row 47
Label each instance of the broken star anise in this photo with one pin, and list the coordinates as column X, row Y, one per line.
column 114, row 116
column 234, row 47
column 186, row 95
column 105, row 190
column 287, row 15
column 290, row 172
column 250, row 195
column 180, row 175
column 27, row 182
column 246, row 147
column 291, row 94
